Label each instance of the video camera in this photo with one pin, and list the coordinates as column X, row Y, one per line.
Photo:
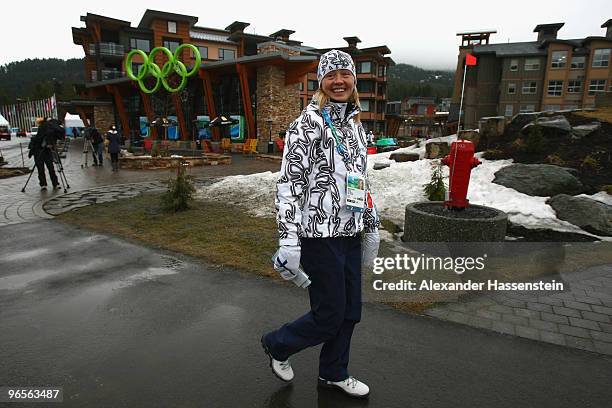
column 50, row 131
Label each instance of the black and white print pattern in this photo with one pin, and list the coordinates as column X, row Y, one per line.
column 334, row 60
column 311, row 190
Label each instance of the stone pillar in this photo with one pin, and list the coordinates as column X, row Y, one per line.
column 103, row 117
column 276, row 102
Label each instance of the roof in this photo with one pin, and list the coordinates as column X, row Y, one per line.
column 199, row 35
column 548, row 27
column 282, row 33
column 151, row 15
column 483, row 31
column 237, row 26
column 607, row 24
column 300, row 49
column 91, row 16
column 259, row 58
column 510, row 49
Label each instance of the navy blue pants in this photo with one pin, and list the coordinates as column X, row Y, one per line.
column 334, row 267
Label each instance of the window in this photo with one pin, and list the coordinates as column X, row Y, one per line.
column 552, row 108
column 570, row 107
column 513, row 65
column 312, row 85
column 529, row 87
column 364, row 67
column 509, row 110
column 365, row 86
column 301, row 85
column 577, row 62
column 555, row 88
column 527, row 108
column 172, row 27
column 380, row 89
column 601, row 58
column 225, row 54
column 511, row 89
column 574, row 87
column 203, row 51
column 135, row 67
column 559, row 59
column 382, row 70
column 141, row 44
column 365, row 105
column 301, row 103
column 597, row 85
column 172, row 45
column 532, row 64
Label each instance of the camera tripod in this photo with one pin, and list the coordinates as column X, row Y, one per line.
column 58, row 166
column 87, row 145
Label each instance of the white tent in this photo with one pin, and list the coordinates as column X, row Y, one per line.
column 3, row 121
column 71, row 121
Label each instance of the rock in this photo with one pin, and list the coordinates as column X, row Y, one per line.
column 471, row 135
column 380, row 166
column 578, row 132
column 436, row 150
column 404, row 157
column 557, row 123
column 491, row 129
column 590, row 215
column 406, row 143
column 538, row 179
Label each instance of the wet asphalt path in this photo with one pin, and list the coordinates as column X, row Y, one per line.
column 121, row 325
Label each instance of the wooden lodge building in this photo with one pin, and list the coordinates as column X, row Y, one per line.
column 263, row 80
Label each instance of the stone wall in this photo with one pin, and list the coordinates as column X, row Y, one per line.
column 103, row 117
column 276, row 102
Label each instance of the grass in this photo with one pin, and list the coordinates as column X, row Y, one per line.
column 214, row 232
column 603, row 114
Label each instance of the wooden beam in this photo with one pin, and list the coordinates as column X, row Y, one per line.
column 125, row 124
column 295, row 74
column 179, row 114
column 146, row 102
column 246, row 101
column 210, row 102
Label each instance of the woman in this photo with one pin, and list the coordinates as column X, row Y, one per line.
column 114, row 147
column 321, row 212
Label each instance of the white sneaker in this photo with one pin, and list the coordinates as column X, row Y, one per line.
column 350, row 386
column 281, row 369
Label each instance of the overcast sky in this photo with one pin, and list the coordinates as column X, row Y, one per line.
column 421, row 33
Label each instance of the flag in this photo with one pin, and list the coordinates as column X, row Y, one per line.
column 470, row 60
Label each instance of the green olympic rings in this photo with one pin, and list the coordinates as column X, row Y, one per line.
column 161, row 74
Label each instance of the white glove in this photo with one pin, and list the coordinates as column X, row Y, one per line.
column 369, row 248
column 286, row 261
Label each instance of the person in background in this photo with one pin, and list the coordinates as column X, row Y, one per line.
column 320, row 232
column 114, row 146
column 97, row 143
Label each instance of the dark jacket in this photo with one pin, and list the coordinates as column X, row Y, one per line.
column 114, row 142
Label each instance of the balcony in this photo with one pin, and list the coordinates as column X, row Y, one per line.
column 106, row 74
column 107, row 49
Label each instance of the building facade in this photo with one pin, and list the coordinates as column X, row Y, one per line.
column 264, row 80
column 543, row 75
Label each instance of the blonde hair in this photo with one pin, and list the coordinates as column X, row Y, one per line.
column 321, row 98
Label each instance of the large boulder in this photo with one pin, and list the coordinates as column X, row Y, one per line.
column 590, row 215
column 470, row 135
column 557, row 124
column 539, row 179
column 404, row 157
column 436, row 150
column 380, row 166
column 491, row 129
column 578, row 132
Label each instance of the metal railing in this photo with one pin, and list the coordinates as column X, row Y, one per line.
column 107, row 49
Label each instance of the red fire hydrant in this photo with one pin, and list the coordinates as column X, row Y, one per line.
column 461, row 161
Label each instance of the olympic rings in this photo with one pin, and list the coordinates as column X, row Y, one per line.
column 161, row 74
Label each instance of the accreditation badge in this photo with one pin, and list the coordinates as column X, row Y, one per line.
column 355, row 192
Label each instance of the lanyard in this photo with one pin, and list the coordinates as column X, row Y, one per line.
column 343, row 151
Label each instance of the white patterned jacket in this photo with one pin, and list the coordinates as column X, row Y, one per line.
column 311, row 189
